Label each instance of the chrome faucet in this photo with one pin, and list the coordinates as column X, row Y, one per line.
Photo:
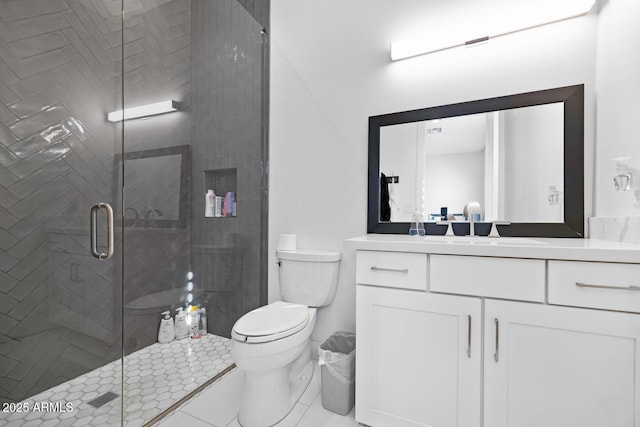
column 470, row 211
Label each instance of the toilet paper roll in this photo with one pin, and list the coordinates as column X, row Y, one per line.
column 286, row 242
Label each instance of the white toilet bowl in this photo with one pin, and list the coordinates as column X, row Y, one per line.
column 272, row 346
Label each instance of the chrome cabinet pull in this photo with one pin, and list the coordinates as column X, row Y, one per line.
column 469, row 336
column 94, row 231
column 495, row 355
column 623, row 288
column 395, row 270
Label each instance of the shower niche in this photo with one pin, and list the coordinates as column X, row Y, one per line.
column 223, row 182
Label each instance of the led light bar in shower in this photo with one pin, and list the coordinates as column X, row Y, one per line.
column 147, row 110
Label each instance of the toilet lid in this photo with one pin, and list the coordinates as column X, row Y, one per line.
column 272, row 319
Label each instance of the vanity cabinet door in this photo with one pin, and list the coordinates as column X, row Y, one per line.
column 560, row 367
column 418, row 358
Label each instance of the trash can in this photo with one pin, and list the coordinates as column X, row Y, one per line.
column 337, row 358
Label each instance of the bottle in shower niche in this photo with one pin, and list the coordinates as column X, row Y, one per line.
column 230, row 204
column 218, row 206
column 166, row 333
column 182, row 330
column 209, row 204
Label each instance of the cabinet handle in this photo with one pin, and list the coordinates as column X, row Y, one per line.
column 395, row 270
column 624, row 288
column 495, row 355
column 469, row 336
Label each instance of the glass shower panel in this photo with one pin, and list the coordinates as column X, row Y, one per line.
column 207, row 59
column 60, row 307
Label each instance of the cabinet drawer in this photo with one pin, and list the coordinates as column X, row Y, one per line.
column 510, row 278
column 392, row 269
column 603, row 285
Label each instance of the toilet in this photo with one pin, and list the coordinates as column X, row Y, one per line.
column 271, row 344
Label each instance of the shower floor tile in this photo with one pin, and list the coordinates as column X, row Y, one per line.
column 156, row 377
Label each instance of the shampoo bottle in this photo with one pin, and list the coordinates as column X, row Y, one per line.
column 193, row 322
column 182, row 330
column 209, row 203
column 166, row 333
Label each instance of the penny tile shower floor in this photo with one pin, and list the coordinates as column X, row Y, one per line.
column 155, row 378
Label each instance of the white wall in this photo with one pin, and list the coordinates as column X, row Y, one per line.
column 618, row 92
column 330, row 71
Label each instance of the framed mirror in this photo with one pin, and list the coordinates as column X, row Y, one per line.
column 157, row 183
column 520, row 156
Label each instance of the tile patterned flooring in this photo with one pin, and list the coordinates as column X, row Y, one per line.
column 155, row 378
column 218, row 404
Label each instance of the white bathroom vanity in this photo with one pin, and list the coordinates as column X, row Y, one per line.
column 519, row 332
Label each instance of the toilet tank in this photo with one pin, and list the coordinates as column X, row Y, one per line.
column 308, row 277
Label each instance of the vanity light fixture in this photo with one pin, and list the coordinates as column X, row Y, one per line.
column 147, row 110
column 558, row 11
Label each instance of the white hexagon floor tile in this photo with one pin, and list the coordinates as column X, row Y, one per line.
column 168, row 371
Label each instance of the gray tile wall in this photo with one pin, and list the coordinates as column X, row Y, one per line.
column 229, row 98
column 259, row 9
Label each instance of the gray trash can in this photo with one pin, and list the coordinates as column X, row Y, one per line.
column 337, row 358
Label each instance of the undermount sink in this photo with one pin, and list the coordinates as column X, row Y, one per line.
column 484, row 240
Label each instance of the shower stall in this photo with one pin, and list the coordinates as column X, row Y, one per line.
column 116, row 117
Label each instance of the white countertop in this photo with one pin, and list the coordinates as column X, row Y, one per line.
column 508, row 247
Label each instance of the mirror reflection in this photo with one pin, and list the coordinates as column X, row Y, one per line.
column 511, row 161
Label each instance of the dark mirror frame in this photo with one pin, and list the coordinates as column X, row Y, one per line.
column 185, row 182
column 573, row 99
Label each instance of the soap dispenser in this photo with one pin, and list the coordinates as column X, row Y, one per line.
column 182, row 329
column 166, row 333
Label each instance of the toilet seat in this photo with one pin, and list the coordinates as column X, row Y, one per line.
column 271, row 322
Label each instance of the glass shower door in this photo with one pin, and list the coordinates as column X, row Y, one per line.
column 194, row 98
column 60, row 296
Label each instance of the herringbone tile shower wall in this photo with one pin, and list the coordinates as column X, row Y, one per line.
column 60, row 73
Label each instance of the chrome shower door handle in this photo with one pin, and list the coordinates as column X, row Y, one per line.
column 109, row 209
column 94, row 231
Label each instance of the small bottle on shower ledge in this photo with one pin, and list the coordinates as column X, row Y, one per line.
column 203, row 321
